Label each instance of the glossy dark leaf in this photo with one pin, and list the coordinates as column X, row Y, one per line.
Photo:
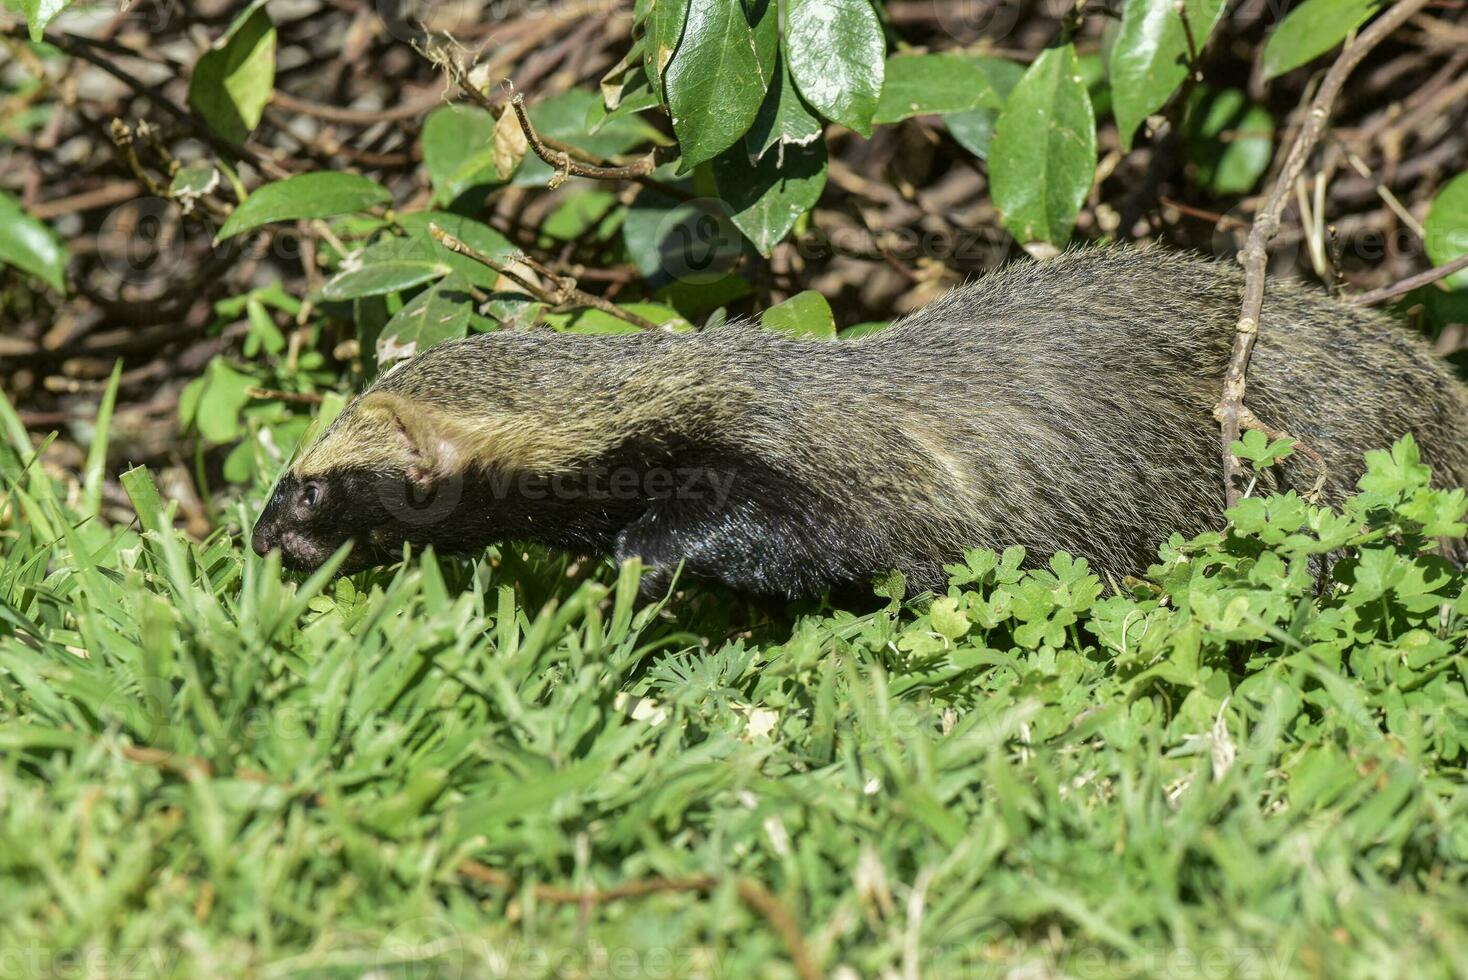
column 1310, row 30
column 1150, row 58
column 714, row 83
column 766, row 198
column 837, row 55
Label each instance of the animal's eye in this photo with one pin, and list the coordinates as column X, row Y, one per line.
column 311, row 494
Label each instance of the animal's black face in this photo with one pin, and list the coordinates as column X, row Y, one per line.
column 309, row 518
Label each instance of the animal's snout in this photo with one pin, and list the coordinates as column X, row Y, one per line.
column 262, row 540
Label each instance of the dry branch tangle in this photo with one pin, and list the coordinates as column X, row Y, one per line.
column 1230, row 409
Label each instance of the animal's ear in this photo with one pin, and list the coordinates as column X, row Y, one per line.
column 432, row 447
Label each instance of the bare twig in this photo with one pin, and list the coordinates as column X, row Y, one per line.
column 1396, row 289
column 565, row 163
column 294, row 397
column 1230, row 408
column 83, row 47
column 564, row 291
column 1194, row 72
column 756, row 896
column 1248, row 421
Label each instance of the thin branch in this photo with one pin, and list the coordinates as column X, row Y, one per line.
column 294, row 397
column 1230, row 408
column 756, row 896
column 1396, row 289
column 1194, row 71
column 83, row 47
column 566, row 164
column 564, row 291
column 1248, row 421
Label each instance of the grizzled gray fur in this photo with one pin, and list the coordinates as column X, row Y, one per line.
column 1064, row 405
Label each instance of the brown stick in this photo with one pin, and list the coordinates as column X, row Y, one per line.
column 1410, row 283
column 294, row 397
column 756, row 896
column 1249, row 421
column 566, row 164
column 1230, row 407
column 564, row 293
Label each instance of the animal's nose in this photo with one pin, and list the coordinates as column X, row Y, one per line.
column 261, row 540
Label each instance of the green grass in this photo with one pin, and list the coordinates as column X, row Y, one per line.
column 209, row 770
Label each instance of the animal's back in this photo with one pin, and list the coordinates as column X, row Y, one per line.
column 1077, row 396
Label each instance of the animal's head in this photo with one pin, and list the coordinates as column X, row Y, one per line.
column 388, row 470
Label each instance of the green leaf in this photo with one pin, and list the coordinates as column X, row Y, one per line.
column 714, row 83
column 664, row 29
column 30, row 246
column 837, row 55
column 766, row 198
column 1230, row 141
column 40, row 13
column 379, row 277
column 190, row 184
column 974, row 129
column 234, row 81
column 1447, row 227
column 1150, row 58
column 1256, row 448
column 315, row 195
column 783, row 117
column 222, row 399
column 435, row 315
column 458, row 150
column 594, row 321
column 475, row 234
column 805, row 314
column 1310, row 30
column 1043, row 156
column 925, row 84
